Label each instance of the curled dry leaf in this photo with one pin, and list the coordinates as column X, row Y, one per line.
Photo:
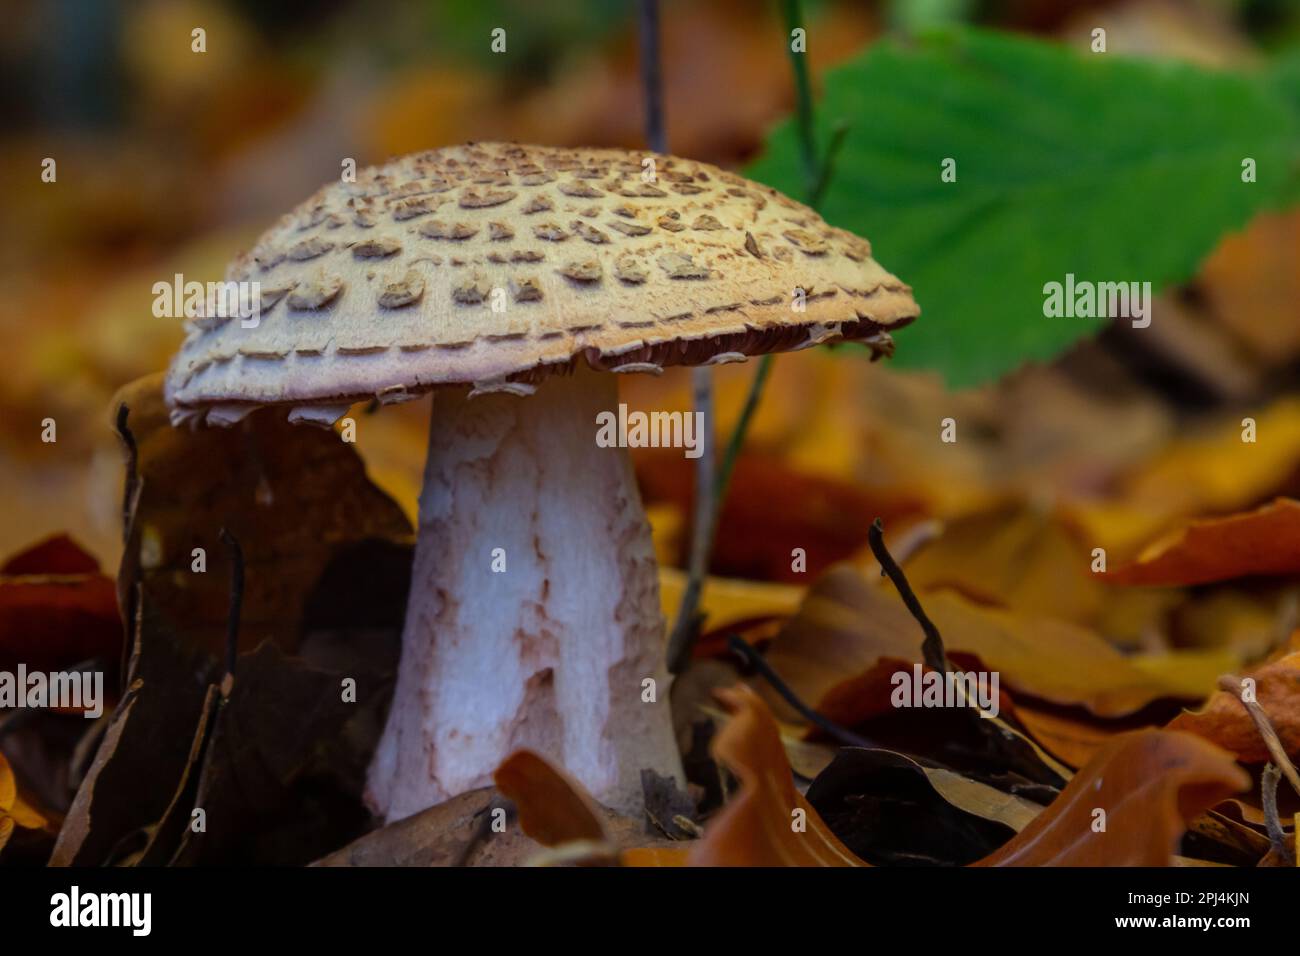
column 1265, row 541
column 553, row 807
column 14, row 810
column 850, row 636
column 1150, row 785
column 327, row 571
column 556, row 811
column 767, row 822
column 1224, row 720
column 1073, row 740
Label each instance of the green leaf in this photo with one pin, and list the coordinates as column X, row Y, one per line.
column 1110, row 169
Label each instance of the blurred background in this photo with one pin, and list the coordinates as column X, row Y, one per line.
column 172, row 162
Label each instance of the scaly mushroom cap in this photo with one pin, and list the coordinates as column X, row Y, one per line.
column 492, row 264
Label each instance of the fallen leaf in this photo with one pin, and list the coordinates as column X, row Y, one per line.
column 1253, row 285
column 553, row 808
column 57, row 610
column 1150, row 784
column 850, row 636
column 295, row 497
column 730, row 601
column 757, row 827
column 14, row 810
column 1028, row 559
column 1209, row 472
column 556, row 811
column 1074, row 741
column 889, row 810
column 1224, row 720
column 444, row 835
column 327, row 566
column 828, row 518
column 1265, row 541
column 284, row 798
column 57, row 554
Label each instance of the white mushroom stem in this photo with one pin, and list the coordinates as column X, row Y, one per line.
column 534, row 618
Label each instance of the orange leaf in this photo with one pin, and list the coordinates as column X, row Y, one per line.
column 840, row 651
column 14, row 811
column 1150, row 783
column 1076, row 741
column 1225, row 722
column 56, row 609
column 57, row 554
column 553, row 807
column 758, row 826
column 1265, row 541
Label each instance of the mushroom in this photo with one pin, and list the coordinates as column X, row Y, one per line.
column 512, row 280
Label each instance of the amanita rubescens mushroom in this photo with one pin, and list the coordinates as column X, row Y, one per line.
column 513, row 279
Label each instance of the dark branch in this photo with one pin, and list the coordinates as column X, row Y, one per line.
column 651, row 77
column 845, row 736
column 132, row 458
column 236, row 598
column 932, row 646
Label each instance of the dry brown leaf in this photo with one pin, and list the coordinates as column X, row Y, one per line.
column 448, row 834
column 1225, row 722
column 14, row 810
column 1265, row 541
column 295, row 497
column 729, row 601
column 839, row 652
column 767, row 823
column 1074, row 741
column 1213, row 472
column 1026, row 558
column 1252, row 282
column 556, row 811
column 1150, row 785
column 553, row 807
column 56, row 609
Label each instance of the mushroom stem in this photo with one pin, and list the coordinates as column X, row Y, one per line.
column 534, row 618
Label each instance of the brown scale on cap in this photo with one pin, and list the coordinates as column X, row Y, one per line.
column 696, row 263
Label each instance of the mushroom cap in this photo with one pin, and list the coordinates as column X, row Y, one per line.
column 493, row 264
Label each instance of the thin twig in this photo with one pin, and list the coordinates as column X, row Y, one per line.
column 1002, row 736
column 737, row 439
column 704, row 521
column 1233, row 684
column 132, row 456
column 712, row 480
column 236, row 598
column 742, row 647
column 932, row 646
column 651, row 77
column 793, row 17
column 827, row 166
column 1272, row 821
